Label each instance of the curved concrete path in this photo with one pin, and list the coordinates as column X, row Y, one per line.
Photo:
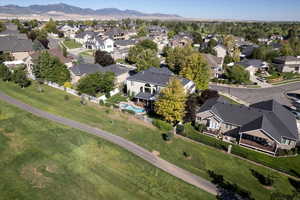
column 131, row 147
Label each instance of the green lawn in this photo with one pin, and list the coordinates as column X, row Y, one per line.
column 203, row 158
column 43, row 160
column 72, row 44
column 87, row 53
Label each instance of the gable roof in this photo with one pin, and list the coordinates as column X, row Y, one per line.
column 156, row 76
column 213, row 61
column 117, row 69
column 269, row 116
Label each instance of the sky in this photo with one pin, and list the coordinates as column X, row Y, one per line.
column 270, row 10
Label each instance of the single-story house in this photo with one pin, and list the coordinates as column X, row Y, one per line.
column 265, row 126
column 19, row 48
column 81, row 70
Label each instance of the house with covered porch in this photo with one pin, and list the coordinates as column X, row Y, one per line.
column 146, row 85
column 266, row 126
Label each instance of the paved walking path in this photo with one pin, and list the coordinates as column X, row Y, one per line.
column 131, row 147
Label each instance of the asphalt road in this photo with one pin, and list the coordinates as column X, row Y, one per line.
column 131, row 147
column 260, row 94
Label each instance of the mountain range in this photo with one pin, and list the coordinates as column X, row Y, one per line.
column 62, row 9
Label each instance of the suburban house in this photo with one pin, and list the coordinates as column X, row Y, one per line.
column 266, row 126
column 84, row 36
column 117, row 34
column 81, row 70
column 253, row 65
column 287, row 64
column 69, row 31
column 125, row 44
column 100, row 44
column 181, row 40
column 146, row 85
column 215, row 63
column 19, row 48
column 32, row 58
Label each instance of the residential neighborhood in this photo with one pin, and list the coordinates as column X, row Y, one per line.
column 120, row 104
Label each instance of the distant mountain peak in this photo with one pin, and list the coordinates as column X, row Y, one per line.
column 69, row 9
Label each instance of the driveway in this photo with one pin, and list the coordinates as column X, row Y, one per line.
column 260, row 94
column 131, row 147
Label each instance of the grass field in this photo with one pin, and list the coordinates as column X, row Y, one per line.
column 203, row 158
column 43, row 160
column 72, row 44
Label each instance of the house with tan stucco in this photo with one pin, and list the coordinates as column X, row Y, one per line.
column 265, row 126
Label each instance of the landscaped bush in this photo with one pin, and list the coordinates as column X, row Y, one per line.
column 180, row 129
column 286, row 152
column 162, row 125
column 168, row 136
column 264, row 180
column 117, row 99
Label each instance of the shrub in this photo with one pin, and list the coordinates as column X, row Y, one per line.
column 162, row 125
column 264, row 180
column 200, row 127
column 180, row 129
column 66, row 98
column 101, row 102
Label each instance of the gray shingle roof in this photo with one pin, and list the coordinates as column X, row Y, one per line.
column 156, row 76
column 269, row 116
column 82, row 69
column 251, row 62
column 13, row 44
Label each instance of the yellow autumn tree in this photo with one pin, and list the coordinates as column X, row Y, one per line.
column 171, row 102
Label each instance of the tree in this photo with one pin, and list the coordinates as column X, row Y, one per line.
column 5, row 73
column 50, row 26
column 95, row 83
column 229, row 42
column 286, row 49
column 236, row 54
column 50, row 68
column 142, row 31
column 237, row 74
column 171, row 102
column 148, row 44
column 20, row 78
column 171, row 34
column 176, row 57
column 197, row 38
column 103, row 58
column 195, row 68
column 146, row 59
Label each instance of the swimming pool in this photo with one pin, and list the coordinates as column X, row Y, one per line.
column 125, row 106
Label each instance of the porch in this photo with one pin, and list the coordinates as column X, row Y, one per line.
column 259, row 144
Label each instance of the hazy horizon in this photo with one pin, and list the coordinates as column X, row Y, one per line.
column 262, row 10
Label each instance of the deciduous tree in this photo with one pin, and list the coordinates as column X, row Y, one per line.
column 195, row 68
column 103, row 58
column 171, row 102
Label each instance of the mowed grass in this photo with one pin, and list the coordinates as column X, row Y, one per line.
column 203, row 158
column 43, row 160
column 72, row 44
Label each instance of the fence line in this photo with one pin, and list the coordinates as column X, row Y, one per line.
column 85, row 96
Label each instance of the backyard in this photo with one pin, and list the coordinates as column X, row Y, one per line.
column 43, row 160
column 203, row 158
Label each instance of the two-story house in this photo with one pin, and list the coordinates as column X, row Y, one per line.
column 266, row 126
column 287, row 64
column 146, row 85
column 100, row 44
